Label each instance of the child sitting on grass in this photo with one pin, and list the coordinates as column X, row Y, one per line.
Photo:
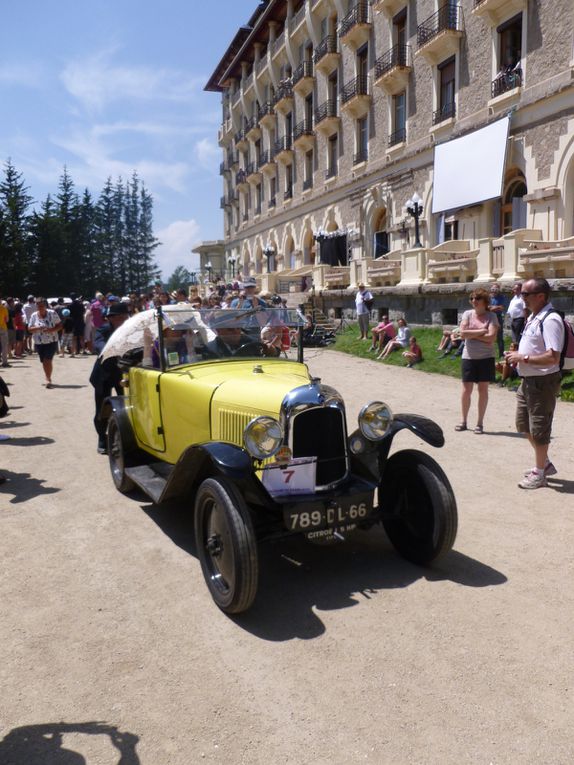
column 414, row 353
column 507, row 371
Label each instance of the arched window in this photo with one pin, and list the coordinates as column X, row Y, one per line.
column 513, row 206
column 380, row 236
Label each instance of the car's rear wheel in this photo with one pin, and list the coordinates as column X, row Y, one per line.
column 117, row 456
column 419, row 505
column 226, row 545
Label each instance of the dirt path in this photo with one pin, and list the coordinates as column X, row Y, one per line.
column 350, row 654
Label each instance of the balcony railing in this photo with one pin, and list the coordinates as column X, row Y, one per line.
column 331, row 171
column 265, row 157
column 285, row 90
column 326, row 46
column 252, row 123
column 278, row 42
column 240, row 136
column 358, row 15
column 272, row 201
column 288, row 193
column 399, row 55
column 447, row 17
column 399, row 136
column 357, row 87
column 326, row 109
column 299, row 16
column 305, row 127
column 361, row 156
column 251, row 168
column 282, row 144
column 303, row 70
column 444, row 113
column 266, row 109
column 505, row 81
column 240, row 177
column 307, row 184
column 224, row 202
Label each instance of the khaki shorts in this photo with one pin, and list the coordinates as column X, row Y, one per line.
column 535, row 404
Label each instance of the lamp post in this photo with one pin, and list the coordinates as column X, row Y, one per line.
column 415, row 208
column 209, row 269
column 269, row 251
column 192, row 277
column 231, row 261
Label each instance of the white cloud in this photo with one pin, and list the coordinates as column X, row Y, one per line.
column 18, row 74
column 177, row 239
column 96, row 81
column 207, row 153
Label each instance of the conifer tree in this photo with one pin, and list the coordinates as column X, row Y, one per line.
column 14, row 224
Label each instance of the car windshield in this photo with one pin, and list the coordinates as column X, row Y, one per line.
column 190, row 336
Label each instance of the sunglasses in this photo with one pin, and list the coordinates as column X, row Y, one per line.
column 472, row 300
column 526, row 294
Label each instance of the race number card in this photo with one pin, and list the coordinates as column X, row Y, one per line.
column 297, row 477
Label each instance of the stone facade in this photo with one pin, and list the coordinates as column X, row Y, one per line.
column 354, row 177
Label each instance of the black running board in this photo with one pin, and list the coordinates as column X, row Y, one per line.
column 149, row 480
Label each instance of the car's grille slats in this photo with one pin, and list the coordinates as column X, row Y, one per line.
column 320, row 432
column 232, row 424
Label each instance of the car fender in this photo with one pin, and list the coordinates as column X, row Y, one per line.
column 117, row 405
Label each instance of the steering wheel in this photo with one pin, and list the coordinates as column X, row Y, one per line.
column 254, row 347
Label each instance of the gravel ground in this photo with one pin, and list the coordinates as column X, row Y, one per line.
column 113, row 651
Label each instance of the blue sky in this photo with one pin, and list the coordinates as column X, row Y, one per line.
column 106, row 87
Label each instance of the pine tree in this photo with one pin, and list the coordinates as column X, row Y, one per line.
column 148, row 270
column 46, row 248
column 14, row 224
column 105, row 236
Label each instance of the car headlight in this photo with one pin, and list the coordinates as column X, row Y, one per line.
column 263, row 437
column 374, row 420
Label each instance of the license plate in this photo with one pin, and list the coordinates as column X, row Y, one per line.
column 337, row 514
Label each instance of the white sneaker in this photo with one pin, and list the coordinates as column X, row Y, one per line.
column 549, row 469
column 533, row 481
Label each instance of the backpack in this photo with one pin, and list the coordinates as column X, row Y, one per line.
column 567, row 353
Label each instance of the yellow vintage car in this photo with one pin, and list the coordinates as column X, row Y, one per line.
column 219, row 409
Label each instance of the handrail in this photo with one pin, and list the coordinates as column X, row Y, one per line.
column 446, row 18
column 357, row 87
column 327, row 45
column 398, row 55
column 358, row 15
column 326, row 109
column 305, row 69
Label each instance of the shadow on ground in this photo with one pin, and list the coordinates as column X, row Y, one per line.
column 297, row 579
column 44, row 745
column 23, row 487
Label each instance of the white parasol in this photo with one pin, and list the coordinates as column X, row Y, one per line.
column 130, row 335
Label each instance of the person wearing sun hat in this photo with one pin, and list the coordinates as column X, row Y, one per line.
column 247, row 297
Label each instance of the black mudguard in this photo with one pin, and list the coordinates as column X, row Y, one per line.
column 371, row 461
column 117, row 405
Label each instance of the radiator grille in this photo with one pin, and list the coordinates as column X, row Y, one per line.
column 232, row 424
column 320, row 432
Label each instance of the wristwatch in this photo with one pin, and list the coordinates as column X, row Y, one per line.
column 526, row 359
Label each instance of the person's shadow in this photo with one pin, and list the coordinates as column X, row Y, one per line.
column 43, row 744
column 23, row 487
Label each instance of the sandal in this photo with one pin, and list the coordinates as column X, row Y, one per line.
column 460, row 427
column 478, row 430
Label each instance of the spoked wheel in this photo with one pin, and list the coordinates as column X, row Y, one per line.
column 423, row 517
column 226, row 545
column 117, row 457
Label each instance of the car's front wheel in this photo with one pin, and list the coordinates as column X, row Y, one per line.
column 226, row 545
column 419, row 505
column 117, row 457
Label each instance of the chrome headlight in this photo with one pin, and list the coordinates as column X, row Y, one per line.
column 263, row 437
column 374, row 420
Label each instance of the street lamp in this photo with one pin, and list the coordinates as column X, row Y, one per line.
column 209, row 268
column 232, row 260
column 269, row 251
column 192, row 277
column 415, row 208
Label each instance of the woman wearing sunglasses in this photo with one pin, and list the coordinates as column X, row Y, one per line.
column 478, row 329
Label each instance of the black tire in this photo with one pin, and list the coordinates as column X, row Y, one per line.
column 118, row 457
column 226, row 545
column 416, row 492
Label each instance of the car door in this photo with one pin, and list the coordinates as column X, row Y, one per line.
column 146, row 410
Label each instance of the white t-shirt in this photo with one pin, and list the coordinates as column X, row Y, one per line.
column 360, row 298
column 516, row 307
column 535, row 341
column 50, row 320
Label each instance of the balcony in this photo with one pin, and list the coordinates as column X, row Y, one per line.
column 233, row 159
column 252, row 129
column 327, row 56
column 438, row 37
column 307, row 184
column 355, row 28
column 267, row 115
column 303, row 78
column 331, row 172
column 446, row 112
column 298, row 18
column 283, row 150
column 241, row 181
column 393, row 69
column 272, row 202
column 288, row 194
column 361, row 156
column 224, row 202
column 495, row 11
column 241, row 141
column 267, row 164
column 326, row 117
column 399, row 136
column 304, row 135
column 388, row 7
column 284, row 97
column 225, row 132
column 253, row 173
column 355, row 97
column 506, row 81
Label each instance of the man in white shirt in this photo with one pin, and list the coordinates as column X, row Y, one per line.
column 516, row 313
column 538, row 361
column 363, row 299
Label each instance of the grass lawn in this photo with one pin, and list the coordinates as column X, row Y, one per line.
column 428, row 338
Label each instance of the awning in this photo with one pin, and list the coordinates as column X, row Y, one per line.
column 470, row 169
